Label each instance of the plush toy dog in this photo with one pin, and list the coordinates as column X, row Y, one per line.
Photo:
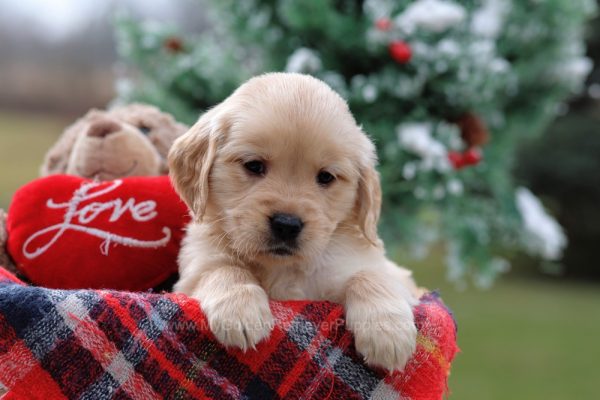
column 131, row 140
column 127, row 141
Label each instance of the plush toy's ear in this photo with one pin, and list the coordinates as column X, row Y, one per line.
column 191, row 159
column 57, row 158
column 3, row 234
column 5, row 260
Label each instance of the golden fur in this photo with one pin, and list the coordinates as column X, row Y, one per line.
column 298, row 127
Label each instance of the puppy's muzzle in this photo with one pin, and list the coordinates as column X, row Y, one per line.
column 285, row 229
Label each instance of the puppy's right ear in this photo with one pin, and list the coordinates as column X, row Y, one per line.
column 191, row 158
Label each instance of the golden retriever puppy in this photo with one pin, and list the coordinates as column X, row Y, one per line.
column 285, row 199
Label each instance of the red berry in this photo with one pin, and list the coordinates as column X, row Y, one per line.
column 469, row 157
column 472, row 156
column 383, row 24
column 400, row 51
column 456, row 159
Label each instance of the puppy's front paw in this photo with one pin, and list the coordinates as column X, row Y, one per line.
column 242, row 318
column 386, row 337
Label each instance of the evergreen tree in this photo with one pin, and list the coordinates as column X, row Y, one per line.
column 447, row 90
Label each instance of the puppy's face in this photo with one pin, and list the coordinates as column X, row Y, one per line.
column 277, row 169
column 282, row 188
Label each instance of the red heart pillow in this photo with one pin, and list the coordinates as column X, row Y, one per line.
column 68, row 232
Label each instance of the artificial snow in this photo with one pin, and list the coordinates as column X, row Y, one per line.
column 416, row 138
column 431, row 15
column 546, row 236
column 304, row 60
column 488, row 20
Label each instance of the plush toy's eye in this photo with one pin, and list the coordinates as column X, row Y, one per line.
column 144, row 129
column 255, row 167
column 324, row 178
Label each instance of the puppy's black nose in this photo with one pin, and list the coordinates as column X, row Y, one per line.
column 285, row 227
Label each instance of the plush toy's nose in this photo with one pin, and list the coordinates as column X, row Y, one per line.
column 102, row 128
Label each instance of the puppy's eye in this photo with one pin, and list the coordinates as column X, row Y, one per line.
column 144, row 129
column 324, row 178
column 255, row 167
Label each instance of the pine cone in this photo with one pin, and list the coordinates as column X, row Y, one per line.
column 173, row 44
column 472, row 130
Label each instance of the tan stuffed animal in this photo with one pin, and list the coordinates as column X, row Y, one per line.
column 131, row 140
column 127, row 141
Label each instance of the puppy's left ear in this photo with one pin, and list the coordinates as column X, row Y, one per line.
column 369, row 202
column 191, row 159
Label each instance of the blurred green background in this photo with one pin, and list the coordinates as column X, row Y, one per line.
column 533, row 335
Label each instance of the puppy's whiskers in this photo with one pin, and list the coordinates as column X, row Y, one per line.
column 214, row 222
column 220, row 238
column 243, row 245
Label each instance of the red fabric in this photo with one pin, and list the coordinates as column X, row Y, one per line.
column 68, row 232
column 98, row 344
column 110, row 344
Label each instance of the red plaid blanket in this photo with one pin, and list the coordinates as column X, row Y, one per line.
column 90, row 344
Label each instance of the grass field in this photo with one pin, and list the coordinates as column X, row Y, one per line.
column 525, row 339
column 24, row 139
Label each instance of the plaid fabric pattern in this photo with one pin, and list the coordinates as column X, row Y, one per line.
column 90, row 344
